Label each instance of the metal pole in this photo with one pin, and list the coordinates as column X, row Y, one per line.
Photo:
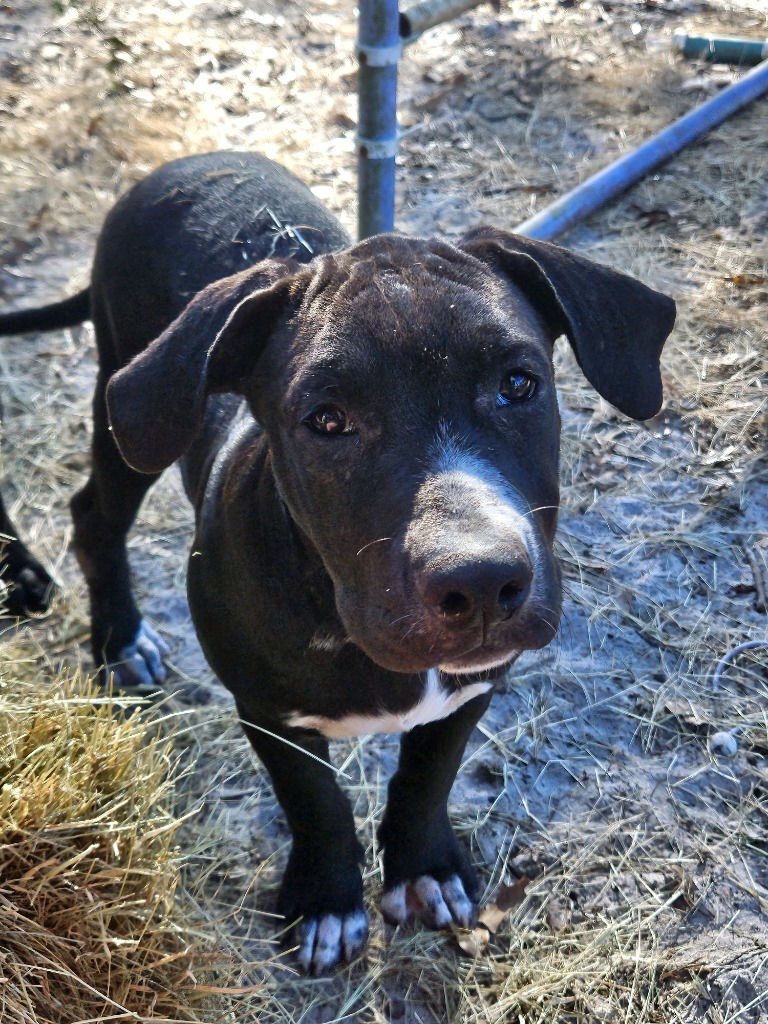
column 618, row 176
column 378, row 52
column 417, row 19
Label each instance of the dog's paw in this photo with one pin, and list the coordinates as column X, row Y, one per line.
column 139, row 665
column 327, row 941
column 435, row 904
column 25, row 589
column 322, row 895
column 427, row 875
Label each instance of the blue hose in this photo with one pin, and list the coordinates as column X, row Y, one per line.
column 627, row 170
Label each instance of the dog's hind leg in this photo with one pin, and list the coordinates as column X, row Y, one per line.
column 426, row 873
column 103, row 513
column 322, row 886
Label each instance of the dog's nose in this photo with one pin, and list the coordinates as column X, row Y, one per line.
column 491, row 590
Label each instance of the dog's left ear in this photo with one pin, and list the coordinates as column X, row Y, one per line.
column 616, row 325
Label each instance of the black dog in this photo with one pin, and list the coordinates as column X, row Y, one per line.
column 27, row 586
column 369, row 434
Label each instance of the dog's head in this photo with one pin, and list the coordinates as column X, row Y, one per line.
column 407, row 392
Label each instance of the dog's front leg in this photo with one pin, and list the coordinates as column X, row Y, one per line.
column 426, row 873
column 322, row 886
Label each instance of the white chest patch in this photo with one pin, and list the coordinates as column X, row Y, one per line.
column 436, row 702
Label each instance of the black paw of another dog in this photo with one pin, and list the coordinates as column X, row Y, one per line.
column 25, row 586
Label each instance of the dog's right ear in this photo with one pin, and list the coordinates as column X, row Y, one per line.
column 156, row 403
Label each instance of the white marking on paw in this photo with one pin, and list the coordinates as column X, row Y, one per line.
column 436, row 702
column 355, row 934
column 305, row 933
column 140, row 664
column 460, row 904
column 436, row 904
column 326, row 941
column 435, row 911
column 394, row 904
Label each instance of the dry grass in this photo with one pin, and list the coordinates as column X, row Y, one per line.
column 94, row 919
column 597, row 774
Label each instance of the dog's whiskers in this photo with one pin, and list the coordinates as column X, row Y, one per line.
column 370, row 543
column 414, row 625
column 539, row 508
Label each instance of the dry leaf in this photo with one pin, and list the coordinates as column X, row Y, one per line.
column 688, row 894
column 428, row 104
column 474, row 940
column 688, row 712
column 686, row 971
column 558, row 917
column 747, row 280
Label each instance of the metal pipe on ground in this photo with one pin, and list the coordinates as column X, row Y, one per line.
column 417, row 19
column 725, row 49
column 378, row 51
column 598, row 190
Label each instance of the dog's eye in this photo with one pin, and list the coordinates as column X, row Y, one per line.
column 516, row 387
column 328, row 421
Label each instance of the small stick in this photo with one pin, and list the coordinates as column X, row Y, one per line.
column 760, row 576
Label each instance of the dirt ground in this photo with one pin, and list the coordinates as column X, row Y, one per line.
column 611, row 771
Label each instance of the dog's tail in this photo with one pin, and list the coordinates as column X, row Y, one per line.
column 67, row 313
